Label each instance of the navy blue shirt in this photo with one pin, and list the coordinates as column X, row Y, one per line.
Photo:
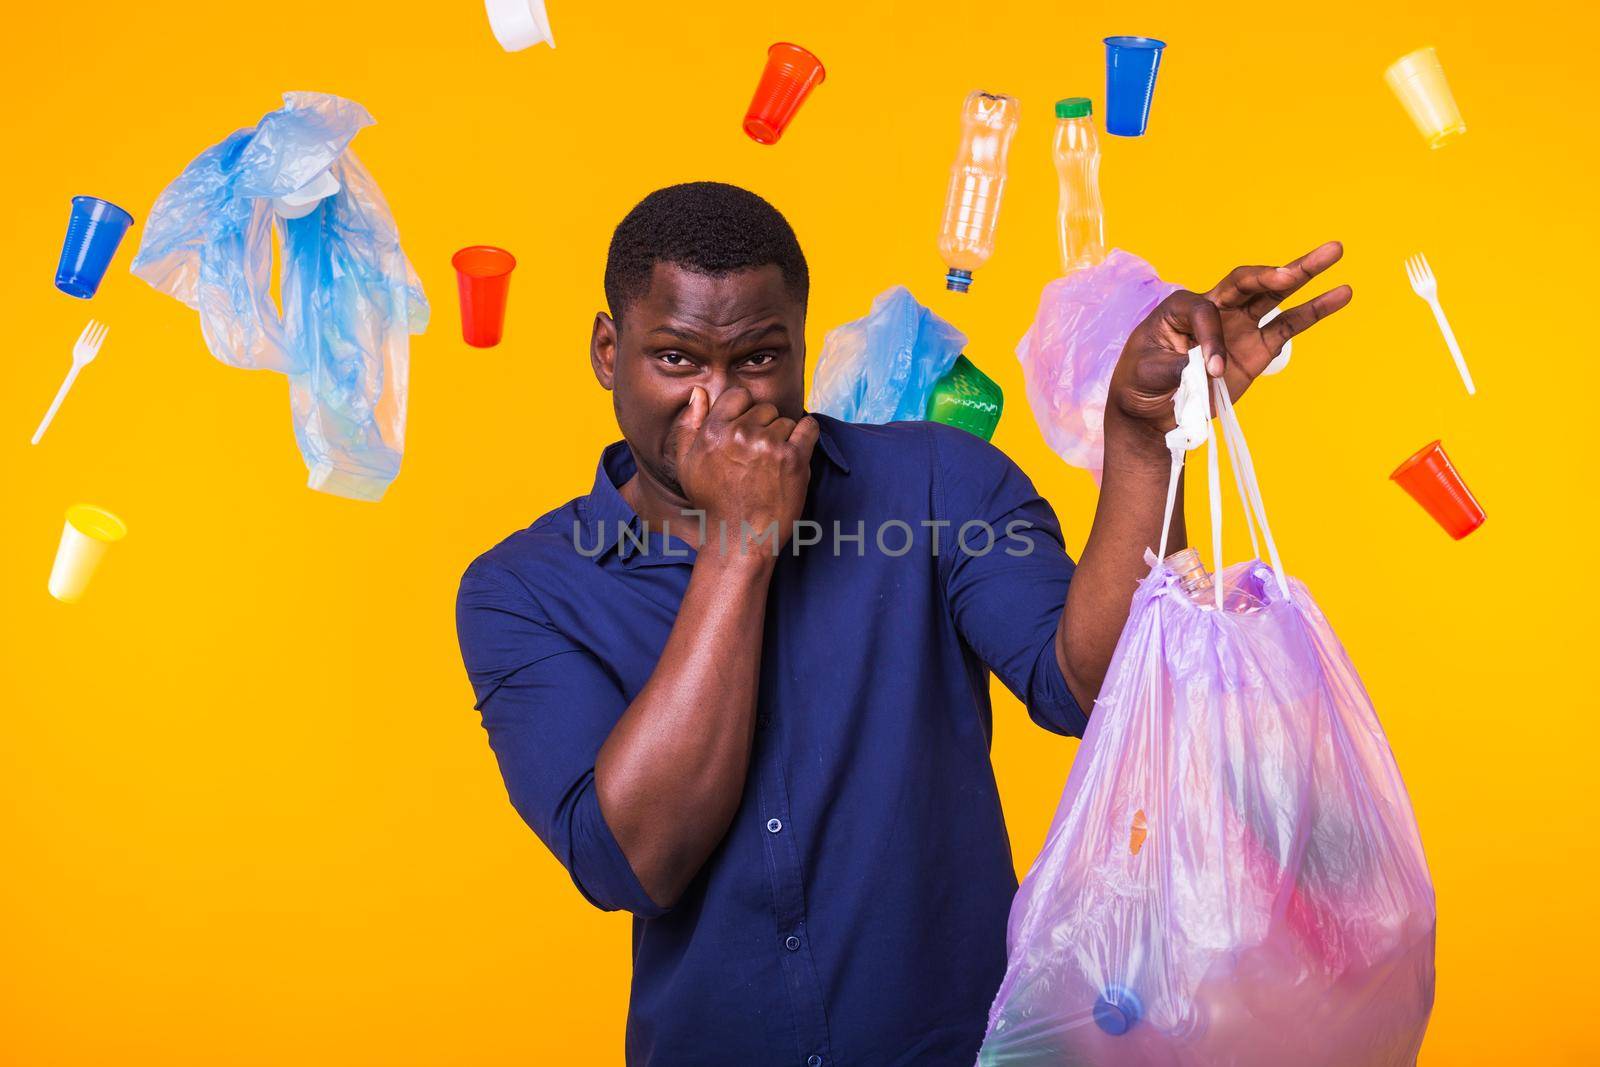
column 855, row 913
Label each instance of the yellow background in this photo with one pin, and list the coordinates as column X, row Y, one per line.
column 247, row 814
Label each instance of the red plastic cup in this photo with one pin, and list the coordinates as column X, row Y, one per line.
column 484, row 275
column 1434, row 483
column 791, row 74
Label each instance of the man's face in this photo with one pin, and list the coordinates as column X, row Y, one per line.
column 742, row 330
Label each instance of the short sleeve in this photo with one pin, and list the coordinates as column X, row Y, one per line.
column 547, row 706
column 1005, row 572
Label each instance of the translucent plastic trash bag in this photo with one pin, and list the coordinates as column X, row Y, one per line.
column 1068, row 353
column 882, row 368
column 350, row 297
column 1234, row 874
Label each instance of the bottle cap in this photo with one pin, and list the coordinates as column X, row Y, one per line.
column 1074, row 107
column 958, row 281
column 1117, row 1010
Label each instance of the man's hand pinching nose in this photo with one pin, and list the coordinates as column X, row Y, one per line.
column 744, row 465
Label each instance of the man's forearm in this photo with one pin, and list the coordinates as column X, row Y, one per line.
column 1127, row 520
column 670, row 775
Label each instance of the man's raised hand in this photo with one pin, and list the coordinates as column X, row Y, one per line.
column 1223, row 322
column 1247, row 294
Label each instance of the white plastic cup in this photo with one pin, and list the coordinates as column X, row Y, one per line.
column 88, row 532
column 519, row 24
column 304, row 200
column 1418, row 80
column 1281, row 360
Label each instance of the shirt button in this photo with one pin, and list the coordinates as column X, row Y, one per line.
column 792, row 943
column 774, row 825
column 813, row 1060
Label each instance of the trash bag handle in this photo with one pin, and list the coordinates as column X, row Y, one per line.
column 1245, row 467
column 1230, row 435
column 1244, row 479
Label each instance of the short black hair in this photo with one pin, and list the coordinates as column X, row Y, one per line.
column 706, row 227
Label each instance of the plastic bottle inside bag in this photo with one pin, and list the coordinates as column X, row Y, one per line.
column 972, row 205
column 1244, row 595
column 1192, row 574
column 1081, row 218
column 887, row 366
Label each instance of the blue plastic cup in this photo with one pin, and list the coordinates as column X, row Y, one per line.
column 93, row 234
column 1131, row 65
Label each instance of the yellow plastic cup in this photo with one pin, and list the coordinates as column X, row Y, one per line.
column 1419, row 81
column 89, row 531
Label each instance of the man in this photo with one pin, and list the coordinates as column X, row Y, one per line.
column 741, row 688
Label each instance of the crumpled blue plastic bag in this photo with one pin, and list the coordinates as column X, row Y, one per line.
column 883, row 367
column 350, row 297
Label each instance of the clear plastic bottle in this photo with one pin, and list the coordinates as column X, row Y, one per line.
column 1192, row 574
column 1243, row 597
column 972, row 206
column 1082, row 216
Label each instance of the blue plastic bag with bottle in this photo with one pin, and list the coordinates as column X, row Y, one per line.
column 883, row 367
column 350, row 298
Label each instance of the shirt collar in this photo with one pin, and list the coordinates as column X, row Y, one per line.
column 607, row 514
column 604, row 510
column 829, row 441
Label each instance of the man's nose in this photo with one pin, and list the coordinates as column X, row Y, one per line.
column 716, row 382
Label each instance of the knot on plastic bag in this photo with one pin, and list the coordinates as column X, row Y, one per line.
column 1191, row 407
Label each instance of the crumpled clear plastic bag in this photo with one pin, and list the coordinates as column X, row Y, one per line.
column 1234, row 873
column 1069, row 352
column 882, row 368
column 350, row 297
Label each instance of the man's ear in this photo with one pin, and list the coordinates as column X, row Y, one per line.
column 603, row 350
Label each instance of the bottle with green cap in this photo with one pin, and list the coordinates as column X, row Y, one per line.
column 1082, row 218
column 966, row 398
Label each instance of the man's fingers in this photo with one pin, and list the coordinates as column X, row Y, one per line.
column 1318, row 259
column 1159, row 374
column 1239, row 286
column 1260, row 289
column 758, row 415
column 1196, row 317
column 804, row 436
column 688, row 422
column 1257, row 307
column 730, row 405
column 1298, row 320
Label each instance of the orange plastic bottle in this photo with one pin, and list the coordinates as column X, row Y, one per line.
column 1081, row 221
column 972, row 206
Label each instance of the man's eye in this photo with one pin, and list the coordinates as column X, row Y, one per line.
column 673, row 359
column 760, row 359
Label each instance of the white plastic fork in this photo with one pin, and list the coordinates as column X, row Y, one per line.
column 1424, row 285
column 83, row 353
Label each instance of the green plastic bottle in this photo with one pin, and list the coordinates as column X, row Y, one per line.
column 967, row 398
